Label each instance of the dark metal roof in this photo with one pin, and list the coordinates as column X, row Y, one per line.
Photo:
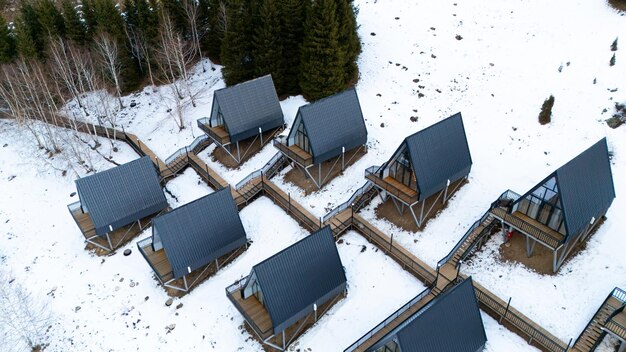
column 248, row 106
column 439, row 153
column 306, row 273
column 121, row 195
column 449, row 323
column 333, row 123
column 199, row 232
column 585, row 187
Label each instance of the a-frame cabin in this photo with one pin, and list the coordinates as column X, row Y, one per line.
column 326, row 136
column 565, row 207
column 427, row 168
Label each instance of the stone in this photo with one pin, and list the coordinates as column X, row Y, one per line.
column 169, row 302
column 127, row 252
column 179, row 306
column 170, row 327
column 72, row 194
column 382, row 124
column 413, row 118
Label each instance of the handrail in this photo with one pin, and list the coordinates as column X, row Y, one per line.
column 419, row 269
column 535, row 334
column 459, row 244
column 280, row 142
column 230, row 290
column 184, row 150
column 388, row 320
column 343, row 206
column 262, row 171
column 619, row 294
column 389, row 188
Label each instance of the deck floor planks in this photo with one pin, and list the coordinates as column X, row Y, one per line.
column 256, row 311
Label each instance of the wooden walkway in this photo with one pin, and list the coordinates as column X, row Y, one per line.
column 525, row 327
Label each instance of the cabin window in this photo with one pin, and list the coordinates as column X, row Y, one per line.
column 218, row 120
column 256, row 290
column 391, row 346
column 302, row 140
column 402, row 171
column 543, row 205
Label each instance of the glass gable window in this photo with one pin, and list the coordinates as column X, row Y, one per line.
column 391, row 346
column 402, row 171
column 302, row 140
column 543, row 205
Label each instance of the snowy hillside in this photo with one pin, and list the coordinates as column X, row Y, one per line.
column 495, row 61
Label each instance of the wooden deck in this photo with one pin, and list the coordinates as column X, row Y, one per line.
column 255, row 313
column 530, row 227
column 295, row 153
column 395, row 188
column 83, row 220
column 217, row 133
column 159, row 262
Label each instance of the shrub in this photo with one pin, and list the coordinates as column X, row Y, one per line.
column 612, row 62
column 545, row 115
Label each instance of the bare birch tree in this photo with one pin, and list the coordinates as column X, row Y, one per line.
column 109, row 52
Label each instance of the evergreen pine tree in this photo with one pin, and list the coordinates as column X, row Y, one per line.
column 212, row 40
column 50, row 19
column 30, row 35
column 7, row 42
column 236, row 54
column 267, row 45
column 148, row 19
column 89, row 19
column 292, row 34
column 348, row 38
column 130, row 13
column 25, row 45
column 322, row 61
column 176, row 11
column 74, row 27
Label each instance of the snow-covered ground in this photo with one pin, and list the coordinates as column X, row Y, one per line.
column 494, row 61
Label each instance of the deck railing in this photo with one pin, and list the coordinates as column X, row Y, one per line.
column 462, row 241
column 185, row 150
column 204, row 172
column 143, row 244
column 534, row 333
column 268, row 170
column 305, row 219
column 423, row 272
column 376, row 177
column 341, row 207
column 280, row 142
column 230, row 291
column 388, row 320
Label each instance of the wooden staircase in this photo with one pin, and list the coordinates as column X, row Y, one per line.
column 597, row 327
column 475, row 239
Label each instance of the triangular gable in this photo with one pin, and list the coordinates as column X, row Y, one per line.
column 334, row 124
column 121, row 195
column 439, row 153
column 199, row 232
column 451, row 322
column 247, row 107
column 585, row 188
column 306, row 273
